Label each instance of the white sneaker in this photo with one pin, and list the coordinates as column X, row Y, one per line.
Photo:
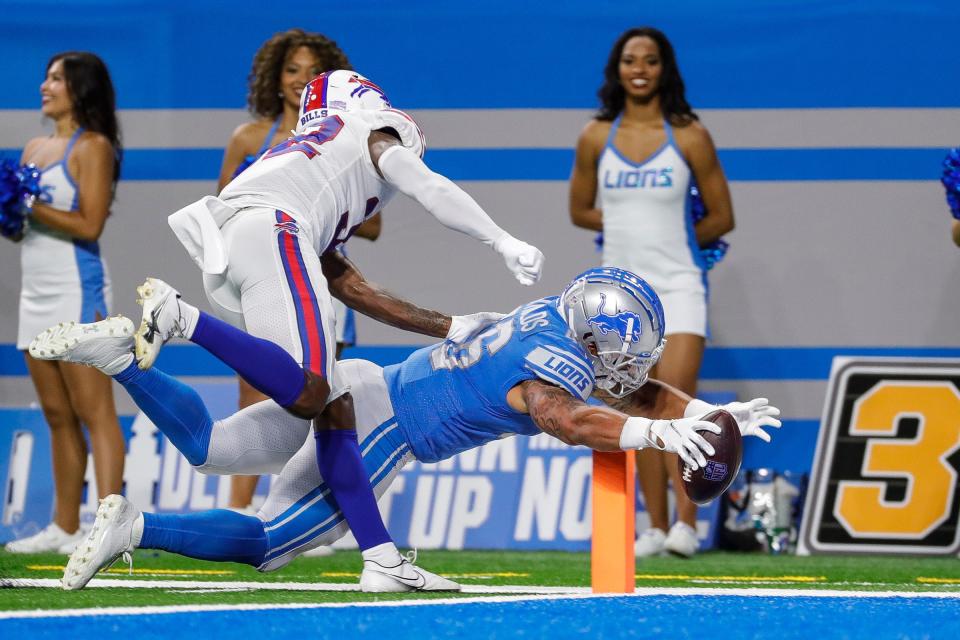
column 650, row 543
column 682, row 540
column 49, row 539
column 105, row 345
column 323, row 551
column 110, row 538
column 161, row 321
column 404, row 576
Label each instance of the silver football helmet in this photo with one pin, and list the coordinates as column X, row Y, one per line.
column 618, row 318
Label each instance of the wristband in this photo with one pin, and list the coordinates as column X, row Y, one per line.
column 636, row 434
column 698, row 408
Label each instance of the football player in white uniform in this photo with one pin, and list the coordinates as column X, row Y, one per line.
column 267, row 249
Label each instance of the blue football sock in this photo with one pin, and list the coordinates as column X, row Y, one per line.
column 341, row 465
column 176, row 409
column 220, row 535
column 266, row 366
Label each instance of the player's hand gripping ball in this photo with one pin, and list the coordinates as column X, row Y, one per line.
column 711, row 480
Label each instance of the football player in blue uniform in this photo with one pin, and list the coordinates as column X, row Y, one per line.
column 529, row 372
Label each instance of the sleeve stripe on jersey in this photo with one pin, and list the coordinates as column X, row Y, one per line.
column 573, row 361
column 552, row 376
column 556, row 367
column 570, row 357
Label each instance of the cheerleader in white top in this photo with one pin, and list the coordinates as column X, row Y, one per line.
column 639, row 156
column 282, row 67
column 64, row 278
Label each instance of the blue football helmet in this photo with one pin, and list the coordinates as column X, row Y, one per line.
column 618, row 318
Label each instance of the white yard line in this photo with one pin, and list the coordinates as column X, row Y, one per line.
column 272, row 586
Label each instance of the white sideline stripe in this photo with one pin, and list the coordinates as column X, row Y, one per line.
column 273, row 586
column 576, row 593
column 550, row 128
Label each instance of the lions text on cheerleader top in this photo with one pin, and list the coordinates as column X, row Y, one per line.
column 638, row 178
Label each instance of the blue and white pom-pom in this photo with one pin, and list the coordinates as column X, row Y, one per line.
column 713, row 252
column 951, row 181
column 17, row 184
column 11, row 221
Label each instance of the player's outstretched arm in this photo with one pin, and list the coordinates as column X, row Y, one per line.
column 451, row 205
column 657, row 399
column 349, row 286
column 575, row 422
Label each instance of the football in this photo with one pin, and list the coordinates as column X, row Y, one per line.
column 708, row 482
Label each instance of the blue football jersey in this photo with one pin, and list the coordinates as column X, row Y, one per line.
column 449, row 398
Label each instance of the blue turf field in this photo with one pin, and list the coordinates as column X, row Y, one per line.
column 688, row 616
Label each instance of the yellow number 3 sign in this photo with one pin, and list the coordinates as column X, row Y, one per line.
column 885, row 476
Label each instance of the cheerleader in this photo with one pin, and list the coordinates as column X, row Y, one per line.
column 640, row 154
column 65, row 278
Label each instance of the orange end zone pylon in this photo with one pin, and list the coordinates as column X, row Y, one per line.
column 611, row 556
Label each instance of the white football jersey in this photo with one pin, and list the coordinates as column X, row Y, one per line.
column 323, row 176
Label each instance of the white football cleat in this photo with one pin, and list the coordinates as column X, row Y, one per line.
column 110, row 538
column 404, row 576
column 649, row 543
column 106, row 345
column 682, row 540
column 48, row 539
column 161, row 321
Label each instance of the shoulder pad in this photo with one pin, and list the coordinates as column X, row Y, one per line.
column 534, row 318
column 410, row 134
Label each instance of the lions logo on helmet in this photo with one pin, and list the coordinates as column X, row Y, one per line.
column 627, row 324
column 619, row 319
column 339, row 90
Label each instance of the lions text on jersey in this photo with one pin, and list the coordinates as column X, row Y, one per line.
column 449, row 398
column 647, row 221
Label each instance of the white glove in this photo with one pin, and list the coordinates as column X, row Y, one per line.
column 673, row 436
column 463, row 327
column 752, row 416
column 524, row 260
